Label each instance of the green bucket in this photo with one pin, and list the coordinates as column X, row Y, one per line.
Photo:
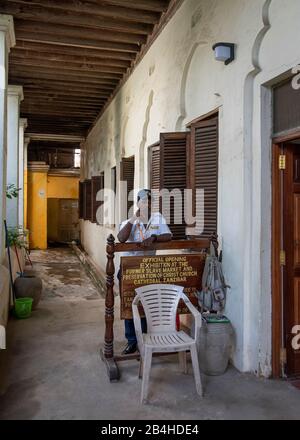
column 23, row 307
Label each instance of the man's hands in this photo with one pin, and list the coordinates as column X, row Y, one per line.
column 148, row 242
column 155, row 238
column 125, row 232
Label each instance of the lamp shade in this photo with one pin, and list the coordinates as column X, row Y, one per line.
column 224, row 52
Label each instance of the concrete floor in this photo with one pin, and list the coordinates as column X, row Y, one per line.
column 52, row 368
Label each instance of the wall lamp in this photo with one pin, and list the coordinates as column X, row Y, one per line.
column 224, row 52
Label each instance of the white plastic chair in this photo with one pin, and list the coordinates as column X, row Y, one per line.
column 160, row 302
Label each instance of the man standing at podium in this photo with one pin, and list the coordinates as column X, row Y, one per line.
column 146, row 228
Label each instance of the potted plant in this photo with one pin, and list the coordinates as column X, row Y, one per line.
column 12, row 191
column 26, row 285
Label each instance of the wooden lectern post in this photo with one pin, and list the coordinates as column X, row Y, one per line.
column 107, row 353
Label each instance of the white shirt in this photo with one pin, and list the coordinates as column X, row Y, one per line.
column 139, row 232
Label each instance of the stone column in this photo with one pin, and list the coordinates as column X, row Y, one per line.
column 22, row 127
column 14, row 97
column 7, row 40
column 26, row 143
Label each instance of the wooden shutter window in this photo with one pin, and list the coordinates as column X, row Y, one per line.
column 154, row 172
column 84, row 200
column 87, row 209
column 81, row 189
column 204, row 154
column 127, row 175
column 97, row 185
column 173, row 174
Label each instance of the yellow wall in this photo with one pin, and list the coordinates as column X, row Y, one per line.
column 63, row 187
column 25, row 199
column 41, row 187
column 59, row 187
column 37, row 209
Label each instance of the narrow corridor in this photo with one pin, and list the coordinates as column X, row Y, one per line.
column 52, row 368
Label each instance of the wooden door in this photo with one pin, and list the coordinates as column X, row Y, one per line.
column 68, row 227
column 291, row 239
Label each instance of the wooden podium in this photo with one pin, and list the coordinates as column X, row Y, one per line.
column 198, row 246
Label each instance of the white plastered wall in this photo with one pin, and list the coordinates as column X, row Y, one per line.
column 179, row 80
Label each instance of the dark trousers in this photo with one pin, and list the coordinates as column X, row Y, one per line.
column 129, row 324
column 130, row 330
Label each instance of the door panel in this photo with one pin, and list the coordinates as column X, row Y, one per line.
column 291, row 232
column 68, row 220
column 297, row 229
column 63, row 220
column 296, row 353
column 297, row 300
column 297, row 168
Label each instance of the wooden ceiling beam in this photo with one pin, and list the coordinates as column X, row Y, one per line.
column 109, row 77
column 20, row 55
column 80, row 115
column 147, row 5
column 72, row 96
column 57, row 65
column 56, row 91
column 56, row 146
column 52, row 138
column 78, row 32
column 62, row 130
column 57, row 86
column 76, row 42
column 85, row 115
column 97, row 9
column 61, row 93
column 56, row 49
column 45, row 15
column 22, row 73
column 58, row 95
column 63, row 108
column 59, row 146
column 58, row 126
column 58, row 103
column 41, row 103
column 82, row 107
column 81, row 100
column 58, row 132
column 43, row 121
